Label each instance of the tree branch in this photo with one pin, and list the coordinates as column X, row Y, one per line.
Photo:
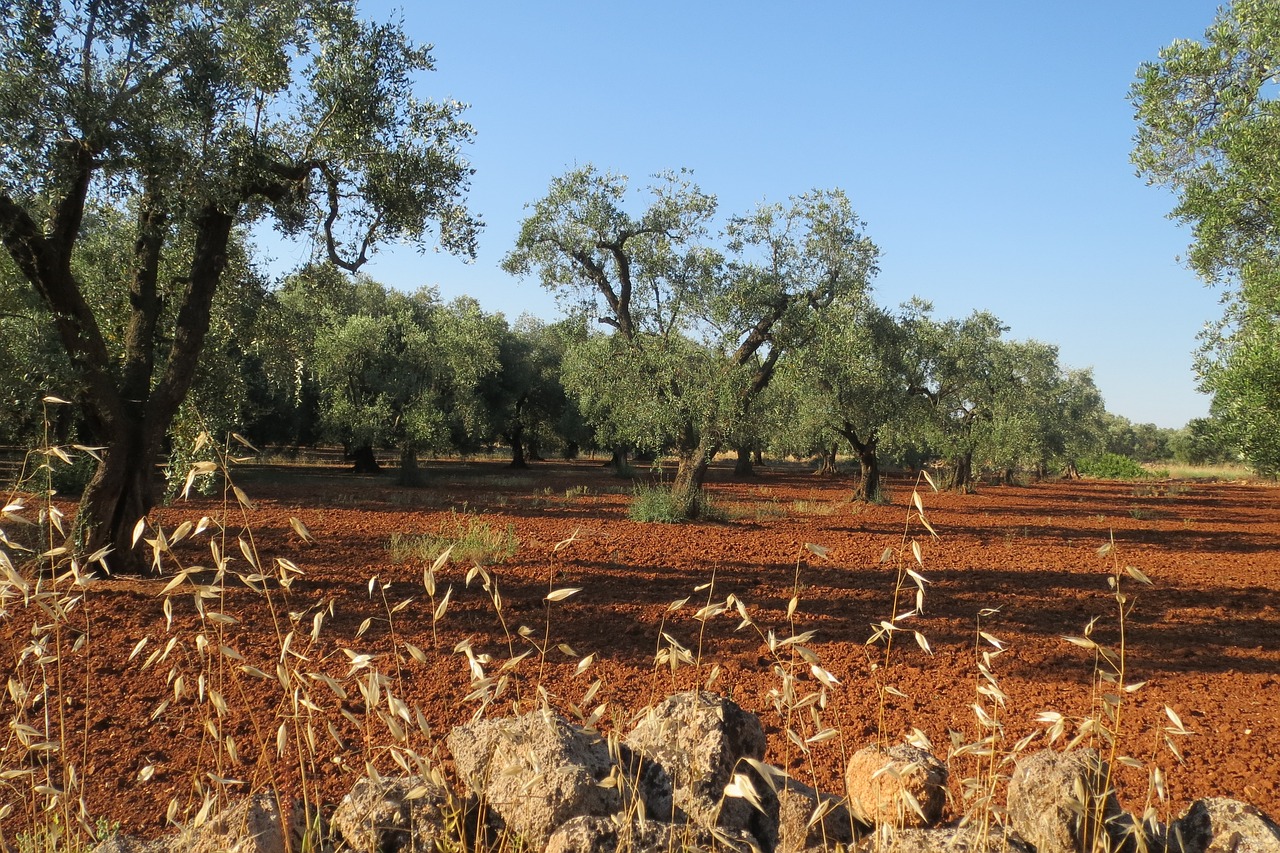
column 208, row 260
column 144, row 299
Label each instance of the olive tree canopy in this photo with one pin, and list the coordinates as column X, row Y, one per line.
column 1208, row 115
column 697, row 330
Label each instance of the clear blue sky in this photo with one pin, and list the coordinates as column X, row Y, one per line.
column 985, row 144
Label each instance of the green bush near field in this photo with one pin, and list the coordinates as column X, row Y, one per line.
column 1113, row 466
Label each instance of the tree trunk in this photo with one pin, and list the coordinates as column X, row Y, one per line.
column 743, row 467
column 364, row 461
column 961, row 479
column 827, row 466
column 121, row 491
column 617, row 461
column 869, row 488
column 410, row 475
column 686, row 488
column 125, row 406
column 516, row 439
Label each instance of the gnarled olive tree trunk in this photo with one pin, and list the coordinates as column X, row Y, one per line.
column 960, row 479
column 126, row 408
column 868, row 488
column 691, row 473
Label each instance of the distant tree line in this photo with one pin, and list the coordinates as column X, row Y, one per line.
column 764, row 338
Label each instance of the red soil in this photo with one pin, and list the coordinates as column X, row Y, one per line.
column 1205, row 637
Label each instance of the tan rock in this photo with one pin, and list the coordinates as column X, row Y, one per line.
column 882, row 784
column 809, row 820
column 698, row 739
column 533, row 773
column 393, row 814
column 967, row 839
column 629, row 835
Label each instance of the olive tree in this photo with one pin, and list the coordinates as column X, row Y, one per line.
column 404, row 371
column 195, row 119
column 852, row 384
column 525, row 402
column 696, row 330
column 1207, row 112
column 960, row 368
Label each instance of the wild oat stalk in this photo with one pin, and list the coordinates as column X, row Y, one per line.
column 50, row 587
column 907, row 578
column 1104, row 728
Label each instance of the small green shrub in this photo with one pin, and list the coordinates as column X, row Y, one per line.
column 656, row 505
column 653, row 505
column 1113, row 466
column 472, row 540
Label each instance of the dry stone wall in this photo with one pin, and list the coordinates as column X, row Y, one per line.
column 690, row 776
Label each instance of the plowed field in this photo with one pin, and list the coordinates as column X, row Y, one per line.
column 1023, row 561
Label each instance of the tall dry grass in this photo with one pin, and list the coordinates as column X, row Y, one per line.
column 314, row 674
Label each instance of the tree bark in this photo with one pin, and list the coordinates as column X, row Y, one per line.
column 868, row 488
column 961, row 479
column 691, row 474
column 364, row 461
column 617, row 461
column 743, row 467
column 827, row 466
column 121, row 491
column 410, row 475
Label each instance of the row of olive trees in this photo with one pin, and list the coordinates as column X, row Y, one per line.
column 766, row 334
column 140, row 142
column 954, row 391
column 332, row 357
column 345, row 359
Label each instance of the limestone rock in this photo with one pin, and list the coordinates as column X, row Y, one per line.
column 1221, row 825
column 698, row 739
column 252, row 825
column 797, row 806
column 969, row 839
column 1059, row 801
column 118, row 843
column 610, row 835
column 880, row 796
column 392, row 814
column 533, row 773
